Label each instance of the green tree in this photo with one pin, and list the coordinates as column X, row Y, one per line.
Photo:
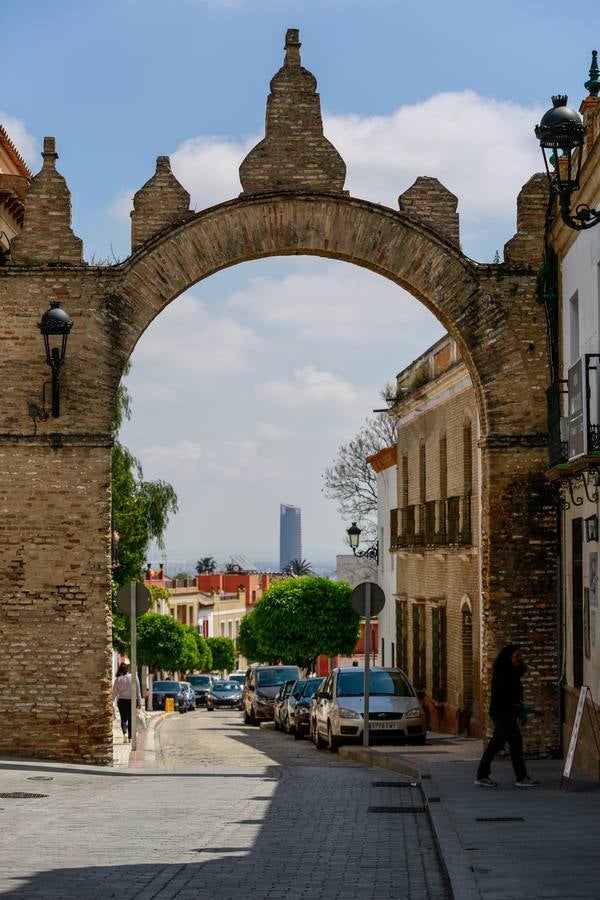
column 298, row 567
column 160, row 642
column 248, row 643
column 223, row 653
column 206, row 564
column 299, row 618
column 189, row 658
column 182, row 576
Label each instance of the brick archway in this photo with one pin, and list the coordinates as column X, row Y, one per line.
column 55, row 474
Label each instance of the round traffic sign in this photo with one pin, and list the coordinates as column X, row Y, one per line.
column 359, row 598
column 142, row 598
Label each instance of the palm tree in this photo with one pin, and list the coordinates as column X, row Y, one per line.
column 298, row 567
column 206, row 564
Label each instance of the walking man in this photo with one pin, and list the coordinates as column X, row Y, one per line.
column 506, row 708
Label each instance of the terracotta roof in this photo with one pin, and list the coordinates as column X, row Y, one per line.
column 14, row 153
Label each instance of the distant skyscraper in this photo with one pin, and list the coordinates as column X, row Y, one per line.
column 290, row 535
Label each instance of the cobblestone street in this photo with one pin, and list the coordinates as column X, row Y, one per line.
column 229, row 812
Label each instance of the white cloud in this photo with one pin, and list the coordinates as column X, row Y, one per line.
column 483, row 150
column 163, row 458
column 269, row 431
column 187, row 338
column 333, row 302
column 208, row 168
column 25, row 143
column 310, row 389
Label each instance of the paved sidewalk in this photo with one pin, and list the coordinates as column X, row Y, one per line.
column 504, row 843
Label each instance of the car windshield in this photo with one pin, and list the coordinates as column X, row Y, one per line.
column 200, row 680
column 165, row 686
column 298, row 688
column 381, row 684
column 311, row 686
column 240, row 679
column 273, row 677
column 226, row 687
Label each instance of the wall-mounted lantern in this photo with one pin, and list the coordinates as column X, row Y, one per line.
column 371, row 552
column 55, row 327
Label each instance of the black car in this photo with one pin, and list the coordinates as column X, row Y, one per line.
column 224, row 695
column 302, row 707
column 161, row 690
column 202, row 685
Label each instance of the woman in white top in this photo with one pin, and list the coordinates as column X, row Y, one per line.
column 122, row 694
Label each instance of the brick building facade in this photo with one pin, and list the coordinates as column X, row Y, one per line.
column 437, row 537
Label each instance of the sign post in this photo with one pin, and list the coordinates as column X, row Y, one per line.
column 133, row 600
column 367, row 599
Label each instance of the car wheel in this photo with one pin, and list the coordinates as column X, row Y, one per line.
column 332, row 742
column 419, row 741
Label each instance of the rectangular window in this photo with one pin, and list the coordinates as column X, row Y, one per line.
column 430, row 522
column 393, row 528
column 382, row 652
column 405, row 480
column 453, row 519
column 574, row 327
column 393, row 655
column 419, row 677
column 408, row 521
column 222, row 629
column 402, row 634
column 438, row 653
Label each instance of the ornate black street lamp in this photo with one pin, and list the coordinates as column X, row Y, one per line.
column 371, row 552
column 561, row 134
column 55, row 327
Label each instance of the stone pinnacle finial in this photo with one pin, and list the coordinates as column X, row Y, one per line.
column 593, row 85
column 292, row 48
column 47, row 236
column 294, row 155
column 162, row 201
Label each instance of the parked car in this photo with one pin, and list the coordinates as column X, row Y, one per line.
column 302, row 707
column 261, row 685
column 163, row 689
column 289, row 705
column 201, row 684
column 394, row 711
column 189, row 696
column 240, row 677
column 224, row 695
column 279, row 701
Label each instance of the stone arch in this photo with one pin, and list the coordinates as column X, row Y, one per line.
column 55, row 473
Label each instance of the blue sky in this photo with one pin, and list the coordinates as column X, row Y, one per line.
column 246, row 385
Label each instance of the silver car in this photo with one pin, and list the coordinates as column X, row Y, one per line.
column 394, row 711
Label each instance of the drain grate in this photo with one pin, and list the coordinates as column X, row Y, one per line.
column 40, row 778
column 396, row 809
column 21, row 795
column 434, row 800
column 397, row 784
column 500, row 819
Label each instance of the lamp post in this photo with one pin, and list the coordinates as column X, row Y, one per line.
column 55, row 327
column 561, row 134
column 371, row 552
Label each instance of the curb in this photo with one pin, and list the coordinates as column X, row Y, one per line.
column 144, row 756
column 458, row 872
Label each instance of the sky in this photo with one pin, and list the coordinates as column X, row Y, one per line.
column 246, row 385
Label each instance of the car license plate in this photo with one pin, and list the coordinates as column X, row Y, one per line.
column 382, row 726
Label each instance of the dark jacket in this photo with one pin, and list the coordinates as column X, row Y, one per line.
column 507, row 694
